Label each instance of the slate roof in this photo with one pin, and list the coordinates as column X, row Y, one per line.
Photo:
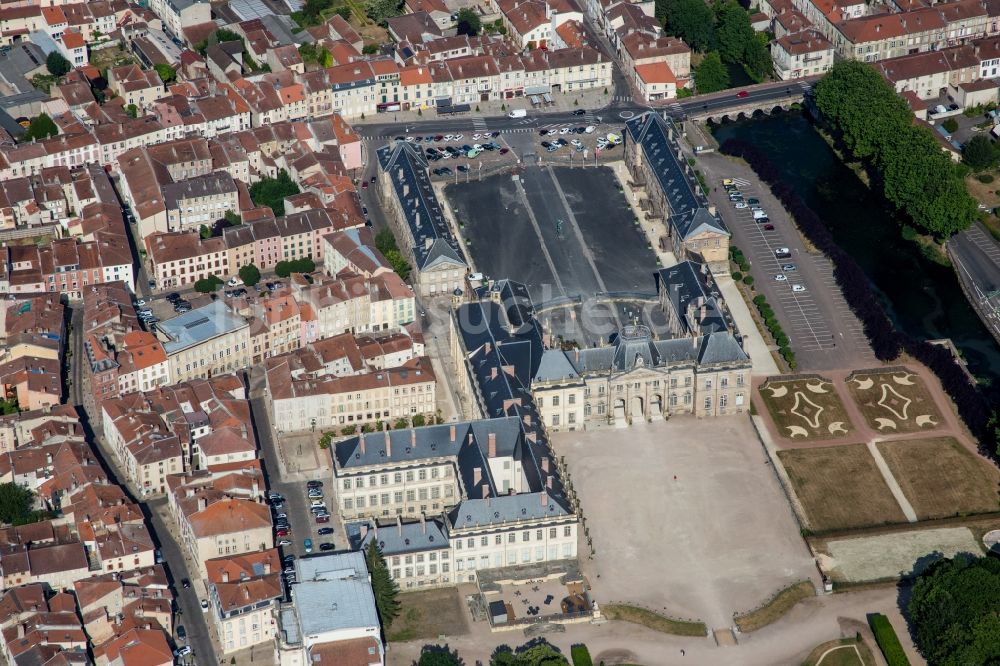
column 432, row 240
column 399, row 538
column 687, row 282
column 497, row 510
column 688, row 211
column 635, row 343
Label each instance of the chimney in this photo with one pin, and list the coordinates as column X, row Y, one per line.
column 388, row 445
column 548, row 484
column 527, row 419
column 399, row 524
column 202, row 503
column 451, row 433
column 711, row 210
column 267, row 567
column 423, row 524
column 545, row 464
column 488, row 348
column 477, row 475
column 701, row 314
column 493, row 372
column 492, row 449
column 545, row 498
column 362, row 441
column 486, row 490
column 413, row 438
column 225, row 576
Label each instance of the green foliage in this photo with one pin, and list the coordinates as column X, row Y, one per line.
column 434, row 655
column 57, row 64
column 985, row 178
column 737, row 276
column 320, row 56
column 979, row 153
column 468, row 22
column 250, row 275
column 344, row 12
column 581, row 655
column 370, row 49
column 954, row 611
column 233, row 218
column 326, row 440
column 684, row 92
column 15, row 504
column 220, row 35
column 380, row 10
column 285, row 268
column 401, row 422
column 950, row 125
column 711, row 75
column 748, row 280
column 347, row 431
column 271, row 192
column 876, row 126
column 313, row 10
column 385, row 242
column 204, row 231
column 384, row 587
column 737, row 40
column 691, row 20
column 536, row 653
column 418, row 420
column 132, row 110
column 208, row 285
column 41, row 127
column 887, row 640
column 9, row 406
column 167, row 73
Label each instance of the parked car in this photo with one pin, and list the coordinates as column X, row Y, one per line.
column 183, row 652
column 322, row 517
column 280, row 532
column 545, row 144
column 740, row 205
column 780, row 277
column 504, row 151
column 308, row 545
column 579, row 112
column 753, row 202
column 768, row 227
column 463, row 168
column 314, row 484
column 323, row 531
column 185, row 583
column 798, row 288
column 326, row 546
column 782, row 253
column 204, row 605
column 181, row 632
column 788, row 268
column 590, row 129
column 284, row 542
column 173, row 297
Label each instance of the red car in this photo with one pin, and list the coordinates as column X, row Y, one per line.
column 768, row 227
column 364, row 185
column 743, row 93
column 281, row 533
column 323, row 518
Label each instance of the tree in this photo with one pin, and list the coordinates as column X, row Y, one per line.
column 711, row 75
column 418, row 420
column 344, row 12
column 370, row 49
column 271, row 192
column 383, row 586
column 208, row 285
column 380, row 10
column 979, row 153
column 385, row 242
column 15, row 504
column 250, row 275
column 538, row 652
column 233, row 218
column 57, row 64
column 41, row 127
column 436, row 655
column 955, row 611
column 204, row 231
column 132, row 110
column 691, row 20
column 326, row 440
column 167, row 73
column 468, row 22
column 9, row 406
column 732, row 30
column 401, row 422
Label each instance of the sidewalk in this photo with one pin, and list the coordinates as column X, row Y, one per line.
column 762, row 362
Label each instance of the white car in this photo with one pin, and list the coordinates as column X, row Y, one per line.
column 780, row 277
column 477, row 147
column 577, row 143
column 602, row 144
column 590, row 129
column 139, row 303
column 449, row 137
column 204, row 605
column 233, row 281
column 798, row 288
column 457, row 137
column 564, row 130
column 740, row 205
column 782, row 252
column 476, row 136
column 284, row 542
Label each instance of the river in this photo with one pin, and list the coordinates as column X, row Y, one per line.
column 923, row 298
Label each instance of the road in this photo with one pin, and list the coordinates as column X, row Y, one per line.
column 977, row 261
column 715, row 102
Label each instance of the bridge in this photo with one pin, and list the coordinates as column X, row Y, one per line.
column 736, row 105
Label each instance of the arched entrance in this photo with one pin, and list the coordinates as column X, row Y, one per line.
column 656, row 407
column 637, row 412
column 619, row 412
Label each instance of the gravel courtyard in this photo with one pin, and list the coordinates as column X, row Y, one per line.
column 719, row 539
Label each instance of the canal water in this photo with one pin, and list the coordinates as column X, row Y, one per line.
column 923, row 298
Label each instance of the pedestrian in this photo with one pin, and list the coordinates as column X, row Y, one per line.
column 682, row 652
column 675, row 477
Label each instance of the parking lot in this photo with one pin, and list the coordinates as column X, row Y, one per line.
column 823, row 331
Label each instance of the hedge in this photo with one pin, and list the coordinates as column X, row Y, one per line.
column 887, row 343
column 887, row 640
column 581, row 655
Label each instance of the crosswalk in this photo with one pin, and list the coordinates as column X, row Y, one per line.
column 478, row 123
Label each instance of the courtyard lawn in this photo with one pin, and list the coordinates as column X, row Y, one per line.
column 893, row 400
column 428, row 614
column 805, row 408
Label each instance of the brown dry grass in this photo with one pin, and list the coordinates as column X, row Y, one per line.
column 941, row 478
column 781, row 408
column 429, row 614
column 776, row 608
column 984, row 192
column 867, row 401
column 840, row 487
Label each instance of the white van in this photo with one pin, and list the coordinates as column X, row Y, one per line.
column 517, row 113
column 759, row 213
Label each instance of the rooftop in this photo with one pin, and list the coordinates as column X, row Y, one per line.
column 199, row 325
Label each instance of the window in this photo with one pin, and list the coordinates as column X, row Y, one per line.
column 708, row 403
column 568, row 531
column 526, row 536
column 555, row 401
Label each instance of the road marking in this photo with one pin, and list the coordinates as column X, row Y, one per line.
column 538, row 232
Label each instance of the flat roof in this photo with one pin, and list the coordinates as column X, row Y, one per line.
column 199, row 325
column 334, row 593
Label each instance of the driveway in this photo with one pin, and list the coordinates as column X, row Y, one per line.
column 686, row 516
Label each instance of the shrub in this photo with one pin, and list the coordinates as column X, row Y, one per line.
column 208, row 285
column 737, row 276
column 950, row 125
column 748, row 280
column 887, row 640
column 581, row 655
column 348, row 430
column 985, row 178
